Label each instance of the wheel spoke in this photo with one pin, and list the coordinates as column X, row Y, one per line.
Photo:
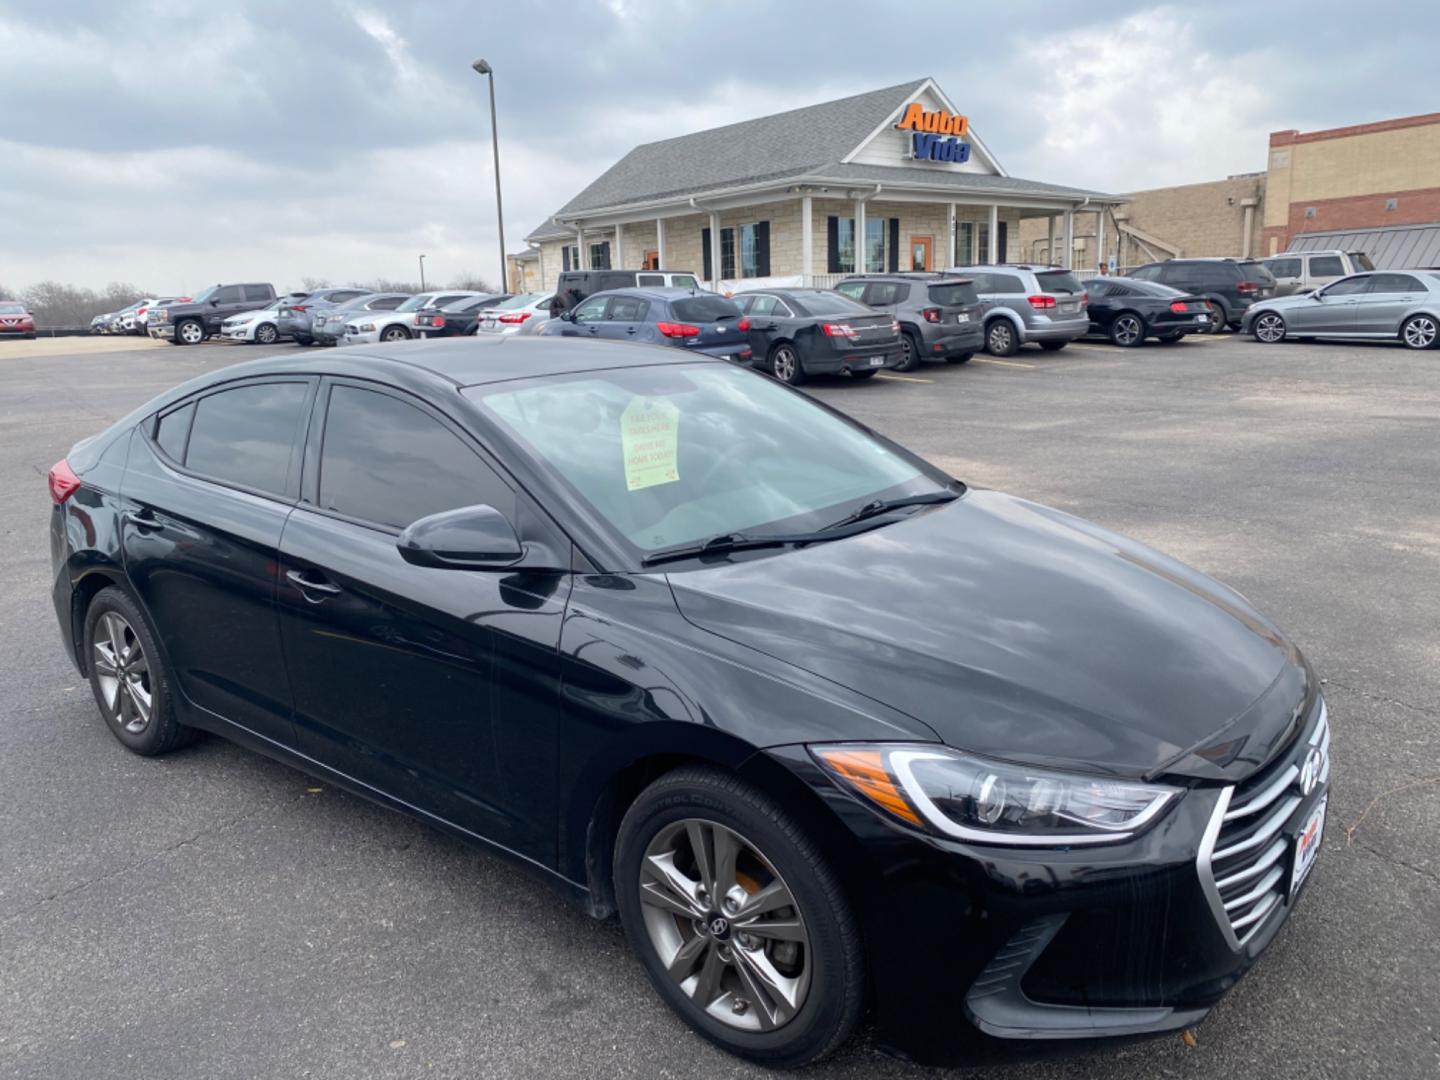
column 770, row 898
column 679, row 888
column 662, row 897
column 772, row 993
column 774, row 929
column 699, row 847
column 115, row 630
column 139, row 697
column 707, row 983
column 685, row 958
column 726, row 851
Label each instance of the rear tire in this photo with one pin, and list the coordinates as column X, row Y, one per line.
column 911, row 358
column 785, row 364
column 1220, row 318
column 1169, row 339
column 1420, row 332
column 668, row 860
column 1001, row 339
column 128, row 676
column 1127, row 330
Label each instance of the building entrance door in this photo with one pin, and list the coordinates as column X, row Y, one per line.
column 920, row 247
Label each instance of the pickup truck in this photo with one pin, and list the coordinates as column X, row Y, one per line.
column 191, row 323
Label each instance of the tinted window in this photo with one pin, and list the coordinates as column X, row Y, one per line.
column 953, row 295
column 1326, row 266
column 627, row 308
column 592, row 310
column 1059, row 281
column 650, row 279
column 1284, row 267
column 245, row 436
column 230, row 294
column 1350, row 286
column 613, row 280
column 388, row 462
column 259, row 292
column 704, row 309
column 1147, row 273
column 385, row 303
column 173, row 429
column 830, row 303
column 1394, row 283
column 1004, row 283
column 1256, row 271
column 1144, row 288
column 684, row 281
column 345, row 297
column 761, row 305
column 853, row 289
column 1105, row 288
column 884, row 293
column 1216, row 273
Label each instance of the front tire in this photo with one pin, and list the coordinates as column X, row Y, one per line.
column 188, row 332
column 128, row 676
column 1127, row 330
column 738, row 919
column 1420, row 332
column 266, row 334
column 1268, row 328
column 395, row 333
column 1001, row 339
column 785, row 365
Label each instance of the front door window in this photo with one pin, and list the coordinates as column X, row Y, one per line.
column 920, row 252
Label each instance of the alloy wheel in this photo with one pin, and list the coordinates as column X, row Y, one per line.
column 123, row 673
column 394, row 333
column 725, row 925
column 266, row 334
column 1000, row 338
column 786, row 363
column 1127, row 331
column 1420, row 332
column 1269, row 328
column 191, row 333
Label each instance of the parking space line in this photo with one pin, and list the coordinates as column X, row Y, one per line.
column 1003, row 363
column 900, row 378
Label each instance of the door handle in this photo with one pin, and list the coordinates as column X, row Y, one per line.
column 306, row 586
column 630, row 330
column 144, row 520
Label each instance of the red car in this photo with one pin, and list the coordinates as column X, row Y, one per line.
column 15, row 321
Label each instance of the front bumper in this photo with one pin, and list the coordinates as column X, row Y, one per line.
column 358, row 337
column 1042, row 944
column 165, row 331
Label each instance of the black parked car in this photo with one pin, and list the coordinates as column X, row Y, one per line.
column 823, row 724
column 191, row 322
column 1231, row 285
column 1128, row 310
column 796, row 333
column 458, row 319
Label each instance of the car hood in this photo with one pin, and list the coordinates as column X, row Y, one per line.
column 1020, row 632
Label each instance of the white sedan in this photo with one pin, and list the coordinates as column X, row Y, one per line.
column 253, row 327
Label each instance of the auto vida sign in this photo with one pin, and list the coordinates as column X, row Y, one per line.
column 936, row 136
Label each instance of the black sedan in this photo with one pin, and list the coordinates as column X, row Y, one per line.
column 1129, row 310
column 824, row 725
column 458, row 319
column 796, row 333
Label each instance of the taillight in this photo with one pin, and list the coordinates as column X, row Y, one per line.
column 1247, row 287
column 437, row 321
column 831, row 329
column 677, row 329
column 743, row 326
column 141, row 311
column 1040, row 300
column 63, row 481
column 1178, row 306
column 299, row 307
column 513, row 317
column 932, row 314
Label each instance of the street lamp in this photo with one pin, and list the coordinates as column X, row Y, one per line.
column 422, row 273
column 483, row 68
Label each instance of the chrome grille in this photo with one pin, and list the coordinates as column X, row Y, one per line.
column 1242, row 859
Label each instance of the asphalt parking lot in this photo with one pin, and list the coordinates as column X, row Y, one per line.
column 212, row 914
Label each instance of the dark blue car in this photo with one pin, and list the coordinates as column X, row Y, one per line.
column 688, row 319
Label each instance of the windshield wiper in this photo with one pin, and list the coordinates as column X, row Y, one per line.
column 729, row 542
column 885, row 506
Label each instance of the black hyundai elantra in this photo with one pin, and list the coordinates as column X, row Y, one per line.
column 830, row 730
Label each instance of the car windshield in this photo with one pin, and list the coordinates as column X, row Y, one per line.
column 523, row 300
column 828, row 303
column 415, row 303
column 12, row 309
column 1059, row 281
column 676, row 454
column 205, row 294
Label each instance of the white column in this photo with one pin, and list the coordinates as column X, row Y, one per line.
column 993, row 255
column 807, row 241
column 660, row 242
column 541, row 256
column 860, row 266
column 950, row 259
column 1069, row 239
column 1100, row 257
column 580, row 248
column 715, row 270
column 619, row 261
column 1050, row 239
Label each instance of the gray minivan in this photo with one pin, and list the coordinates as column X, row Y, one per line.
column 1025, row 302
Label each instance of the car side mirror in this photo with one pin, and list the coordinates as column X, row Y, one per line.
column 214, row 301
column 470, row 538
column 567, row 316
column 1315, row 294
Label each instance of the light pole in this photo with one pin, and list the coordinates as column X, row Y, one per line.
column 482, row 68
column 422, row 273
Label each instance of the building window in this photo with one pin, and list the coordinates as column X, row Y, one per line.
column 845, row 245
column 750, row 251
column 877, row 245
column 570, row 257
column 600, row 256
column 982, row 244
column 727, row 254
column 965, row 243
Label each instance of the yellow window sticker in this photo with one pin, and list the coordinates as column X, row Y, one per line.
column 648, row 430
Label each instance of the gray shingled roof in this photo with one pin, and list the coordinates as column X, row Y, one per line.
column 802, row 144
column 1390, row 247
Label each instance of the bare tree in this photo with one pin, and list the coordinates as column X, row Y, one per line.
column 472, row 283
column 386, row 285
column 310, row 284
column 56, row 304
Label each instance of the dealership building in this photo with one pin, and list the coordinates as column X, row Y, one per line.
column 892, row 179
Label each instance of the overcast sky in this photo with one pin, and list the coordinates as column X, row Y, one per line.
column 176, row 144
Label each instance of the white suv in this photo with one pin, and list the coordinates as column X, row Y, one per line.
column 1302, row 271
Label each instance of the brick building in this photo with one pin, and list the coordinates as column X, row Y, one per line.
column 1363, row 183
column 893, row 178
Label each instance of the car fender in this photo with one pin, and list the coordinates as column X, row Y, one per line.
column 1000, row 311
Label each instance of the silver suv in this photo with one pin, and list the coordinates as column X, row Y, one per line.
column 1025, row 302
column 1301, row 271
column 939, row 314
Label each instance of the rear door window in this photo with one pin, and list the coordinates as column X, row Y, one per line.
column 1005, row 283
column 627, row 309
column 761, row 305
column 684, row 281
column 1326, row 266
column 704, row 308
column 386, row 303
column 246, row 436
column 592, row 310
column 649, row 279
column 1351, row 286
column 1147, row 273
column 953, row 295
column 885, row 293
column 1361, row 260
column 832, row 303
column 345, row 297
column 258, row 292
column 172, row 431
column 1284, row 267
column 1059, row 281
column 1394, row 283
column 613, row 280
column 390, row 463
column 230, row 294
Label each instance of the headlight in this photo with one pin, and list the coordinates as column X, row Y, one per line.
column 970, row 798
column 363, row 329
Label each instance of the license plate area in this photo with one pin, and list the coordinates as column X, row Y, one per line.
column 1307, row 846
column 876, row 361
